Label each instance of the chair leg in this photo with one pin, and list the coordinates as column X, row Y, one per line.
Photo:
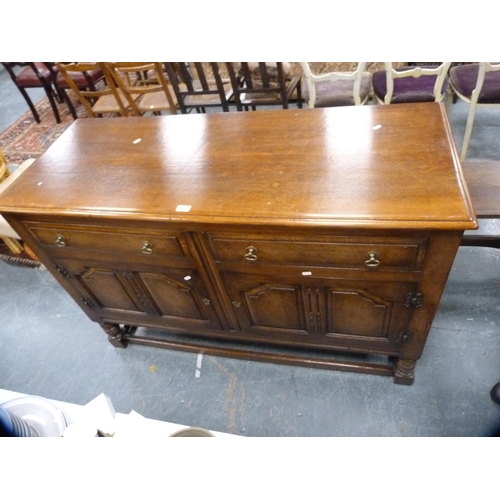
column 495, row 393
column 468, row 131
column 68, row 102
column 29, row 103
column 59, row 93
column 449, row 100
column 53, row 105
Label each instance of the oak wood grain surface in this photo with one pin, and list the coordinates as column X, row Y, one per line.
column 367, row 166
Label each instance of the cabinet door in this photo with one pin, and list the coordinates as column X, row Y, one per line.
column 323, row 312
column 171, row 296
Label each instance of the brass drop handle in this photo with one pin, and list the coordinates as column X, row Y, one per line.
column 60, row 240
column 250, row 253
column 372, row 259
column 147, row 248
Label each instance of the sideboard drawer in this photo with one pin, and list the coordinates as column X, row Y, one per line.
column 105, row 239
column 357, row 252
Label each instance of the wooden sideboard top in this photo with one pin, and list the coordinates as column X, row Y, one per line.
column 368, row 166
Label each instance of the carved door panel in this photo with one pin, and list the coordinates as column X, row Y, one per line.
column 322, row 312
column 374, row 313
column 171, row 295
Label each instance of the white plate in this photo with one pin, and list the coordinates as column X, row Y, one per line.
column 40, row 413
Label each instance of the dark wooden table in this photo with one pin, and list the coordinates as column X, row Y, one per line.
column 324, row 231
column 483, row 179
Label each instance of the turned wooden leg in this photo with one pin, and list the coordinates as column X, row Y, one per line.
column 404, row 372
column 115, row 334
column 495, row 393
column 14, row 246
column 28, row 250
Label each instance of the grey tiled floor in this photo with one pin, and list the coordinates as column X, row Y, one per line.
column 48, row 347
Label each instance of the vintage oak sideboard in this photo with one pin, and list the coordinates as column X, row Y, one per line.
column 316, row 237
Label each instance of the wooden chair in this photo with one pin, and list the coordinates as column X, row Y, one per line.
column 84, row 80
column 103, row 99
column 263, row 84
column 143, row 85
column 479, row 85
column 7, row 233
column 205, row 88
column 336, row 88
column 38, row 75
column 410, row 83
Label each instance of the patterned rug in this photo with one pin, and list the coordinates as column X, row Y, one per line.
column 28, row 139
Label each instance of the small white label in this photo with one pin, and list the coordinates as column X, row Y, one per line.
column 376, row 127
column 183, row 208
column 306, row 273
column 187, row 278
column 137, row 141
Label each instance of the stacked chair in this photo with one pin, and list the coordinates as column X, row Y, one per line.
column 336, row 88
column 264, row 84
column 199, row 86
column 410, row 83
column 143, row 85
column 38, row 75
column 477, row 84
column 100, row 97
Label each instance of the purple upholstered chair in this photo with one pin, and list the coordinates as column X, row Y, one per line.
column 479, row 85
column 410, row 83
column 336, row 88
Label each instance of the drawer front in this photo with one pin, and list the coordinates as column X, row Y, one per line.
column 336, row 252
column 105, row 239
